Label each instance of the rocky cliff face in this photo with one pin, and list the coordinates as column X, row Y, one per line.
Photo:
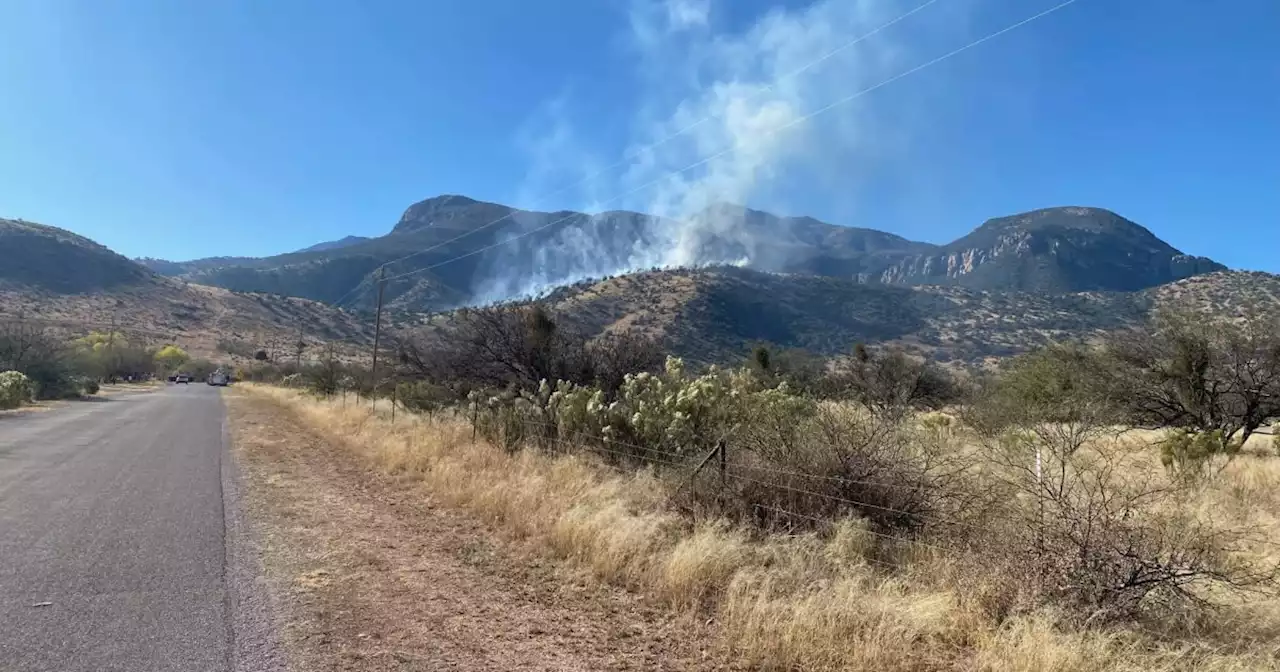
column 1052, row 250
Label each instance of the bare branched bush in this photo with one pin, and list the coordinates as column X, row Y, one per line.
column 891, row 382
column 845, row 461
column 520, row 346
column 1089, row 528
column 615, row 355
column 327, row 377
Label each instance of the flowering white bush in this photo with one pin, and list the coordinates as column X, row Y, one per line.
column 15, row 389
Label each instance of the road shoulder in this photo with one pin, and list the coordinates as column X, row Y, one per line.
column 372, row 575
column 252, row 614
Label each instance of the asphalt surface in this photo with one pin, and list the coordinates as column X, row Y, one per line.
column 118, row 549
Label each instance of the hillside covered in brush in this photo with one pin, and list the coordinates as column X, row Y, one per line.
column 452, row 250
column 717, row 314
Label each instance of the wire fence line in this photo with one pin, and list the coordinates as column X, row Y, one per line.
column 571, row 446
column 641, row 450
column 880, row 535
column 693, row 462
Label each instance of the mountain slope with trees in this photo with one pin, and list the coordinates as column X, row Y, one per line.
column 465, row 251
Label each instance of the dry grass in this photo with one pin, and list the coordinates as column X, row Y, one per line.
column 793, row 602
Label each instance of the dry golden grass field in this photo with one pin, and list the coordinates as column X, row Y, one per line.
column 814, row 601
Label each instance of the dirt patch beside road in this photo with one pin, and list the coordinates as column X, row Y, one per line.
column 373, row 575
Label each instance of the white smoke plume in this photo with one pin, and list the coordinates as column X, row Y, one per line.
column 706, row 91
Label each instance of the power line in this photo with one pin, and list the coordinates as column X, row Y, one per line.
column 843, row 101
column 633, row 153
column 360, row 285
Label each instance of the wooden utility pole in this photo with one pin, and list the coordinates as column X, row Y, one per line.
column 297, row 347
column 111, row 351
column 377, row 328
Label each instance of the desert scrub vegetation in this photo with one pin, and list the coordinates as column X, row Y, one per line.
column 15, row 390
column 885, row 519
column 844, row 591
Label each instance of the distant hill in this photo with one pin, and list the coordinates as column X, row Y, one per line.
column 53, row 277
column 466, row 251
column 53, row 259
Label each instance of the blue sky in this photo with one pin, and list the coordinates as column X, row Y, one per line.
column 188, row 129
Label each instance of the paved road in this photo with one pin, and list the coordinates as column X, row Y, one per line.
column 113, row 512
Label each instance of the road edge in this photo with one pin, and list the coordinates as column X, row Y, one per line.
column 253, row 644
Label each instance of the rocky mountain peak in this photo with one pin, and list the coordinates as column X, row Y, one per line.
column 1062, row 249
column 425, row 213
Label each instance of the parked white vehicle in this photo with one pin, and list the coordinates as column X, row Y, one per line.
column 219, row 379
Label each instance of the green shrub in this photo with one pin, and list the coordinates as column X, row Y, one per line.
column 1187, row 453
column 15, row 389
column 89, row 386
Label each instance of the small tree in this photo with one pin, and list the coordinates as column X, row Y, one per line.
column 1200, row 376
column 44, row 359
column 1054, row 389
column 613, row 356
column 261, row 356
column 170, row 358
column 893, row 382
column 326, row 377
column 760, row 356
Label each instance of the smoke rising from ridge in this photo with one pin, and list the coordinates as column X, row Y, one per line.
column 703, row 91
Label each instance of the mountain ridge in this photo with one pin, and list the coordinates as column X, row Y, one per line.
column 709, row 313
column 466, row 250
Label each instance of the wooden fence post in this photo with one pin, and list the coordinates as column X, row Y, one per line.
column 724, row 463
column 475, row 417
